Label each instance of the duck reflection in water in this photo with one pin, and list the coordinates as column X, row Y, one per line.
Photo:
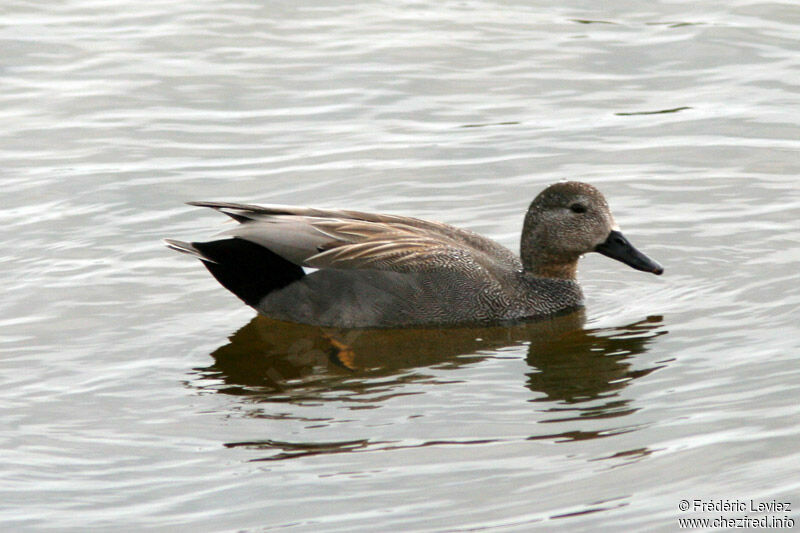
column 571, row 367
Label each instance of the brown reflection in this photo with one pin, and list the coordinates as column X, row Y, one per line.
column 581, row 371
column 576, row 371
column 292, row 450
column 271, row 360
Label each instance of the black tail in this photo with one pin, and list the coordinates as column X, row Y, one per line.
column 246, row 269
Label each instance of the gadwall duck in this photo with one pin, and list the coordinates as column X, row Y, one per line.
column 352, row 269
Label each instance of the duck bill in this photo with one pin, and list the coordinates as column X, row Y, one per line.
column 616, row 246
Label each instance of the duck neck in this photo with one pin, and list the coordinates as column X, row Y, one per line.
column 553, row 270
column 541, row 263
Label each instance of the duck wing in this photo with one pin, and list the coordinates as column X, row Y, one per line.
column 343, row 239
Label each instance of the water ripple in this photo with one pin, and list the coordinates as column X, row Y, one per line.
column 137, row 392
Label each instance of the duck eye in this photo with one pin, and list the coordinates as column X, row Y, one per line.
column 577, row 208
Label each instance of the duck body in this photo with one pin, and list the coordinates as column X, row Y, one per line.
column 384, row 271
column 372, row 298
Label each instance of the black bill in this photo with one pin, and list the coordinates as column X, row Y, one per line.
column 616, row 246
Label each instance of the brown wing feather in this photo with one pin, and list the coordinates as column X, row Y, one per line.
column 355, row 239
column 389, row 246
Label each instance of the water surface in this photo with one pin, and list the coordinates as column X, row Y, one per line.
column 138, row 395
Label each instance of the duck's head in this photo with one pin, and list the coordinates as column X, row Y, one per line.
column 567, row 220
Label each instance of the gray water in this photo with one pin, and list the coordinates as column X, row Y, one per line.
column 138, row 395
